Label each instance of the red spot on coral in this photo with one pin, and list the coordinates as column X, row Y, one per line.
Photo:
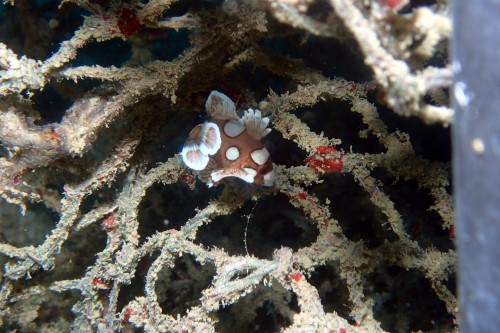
column 99, row 283
column 342, row 330
column 188, row 179
column 303, row 195
column 326, row 159
column 127, row 314
column 17, row 178
column 452, row 231
column 128, row 22
column 295, row 277
column 109, row 222
column 392, row 3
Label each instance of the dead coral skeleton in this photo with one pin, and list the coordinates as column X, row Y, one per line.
column 125, row 110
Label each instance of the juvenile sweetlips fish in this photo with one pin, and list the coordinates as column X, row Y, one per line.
column 229, row 146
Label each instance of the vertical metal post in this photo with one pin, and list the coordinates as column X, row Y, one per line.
column 476, row 161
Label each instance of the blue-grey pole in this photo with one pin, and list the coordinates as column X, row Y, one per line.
column 476, row 161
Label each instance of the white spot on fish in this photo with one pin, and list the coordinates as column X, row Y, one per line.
column 260, row 156
column 232, row 153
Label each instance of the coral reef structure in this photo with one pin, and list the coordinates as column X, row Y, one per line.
column 105, row 229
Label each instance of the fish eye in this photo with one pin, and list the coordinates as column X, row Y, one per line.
column 263, row 171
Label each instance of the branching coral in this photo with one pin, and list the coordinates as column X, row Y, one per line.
column 138, row 242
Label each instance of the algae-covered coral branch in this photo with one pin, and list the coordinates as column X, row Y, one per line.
column 116, row 234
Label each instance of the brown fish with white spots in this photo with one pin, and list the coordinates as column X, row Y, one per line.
column 229, row 146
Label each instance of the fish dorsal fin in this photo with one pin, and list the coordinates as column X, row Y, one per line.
column 255, row 124
column 219, row 106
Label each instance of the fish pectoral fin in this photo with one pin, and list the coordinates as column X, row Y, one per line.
column 206, row 137
column 210, row 139
column 193, row 157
